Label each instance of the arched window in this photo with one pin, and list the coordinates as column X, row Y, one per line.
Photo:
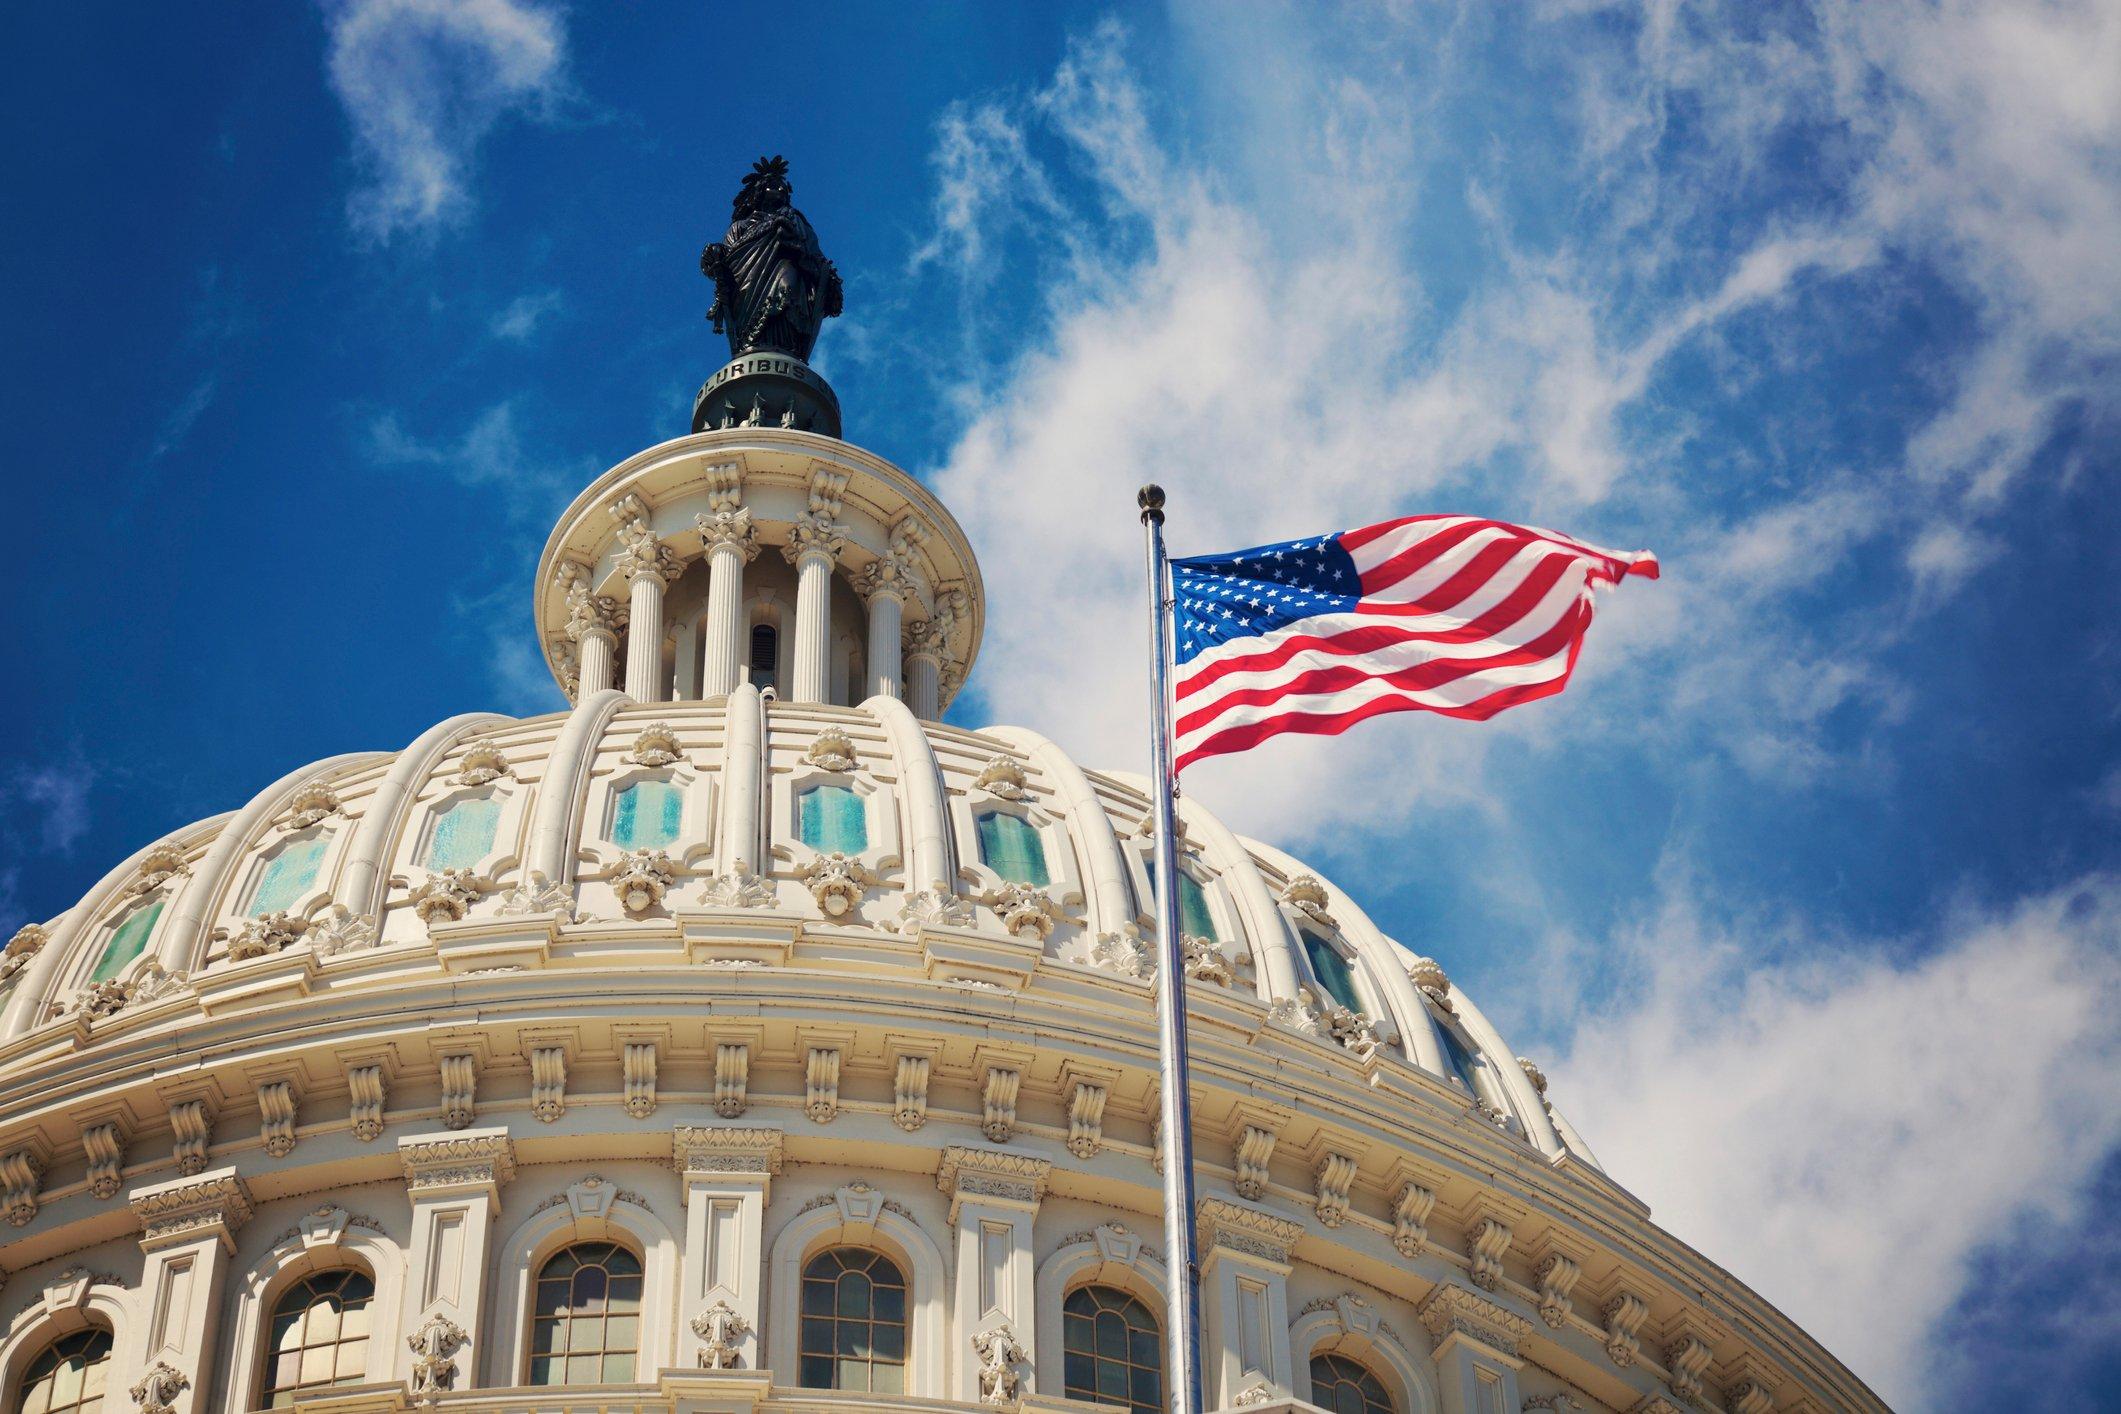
column 1194, row 920
column 464, row 834
column 833, row 818
column 853, row 1329
column 1465, row 1063
column 1332, row 971
column 765, row 653
column 647, row 815
column 1114, row 1350
column 127, row 942
column 1010, row 846
column 319, row 1335
column 287, row 877
column 585, row 1326
column 68, row 1377
column 1341, row 1385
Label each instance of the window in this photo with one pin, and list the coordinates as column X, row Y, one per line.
column 1331, row 970
column 1467, row 1066
column 833, row 818
column 854, row 1323
column 127, row 943
column 1344, row 1387
column 585, row 1327
column 1114, row 1350
column 1194, row 920
column 1010, row 846
column 646, row 815
column 464, row 834
column 319, row 1335
column 765, row 652
column 68, row 1377
column 289, row 876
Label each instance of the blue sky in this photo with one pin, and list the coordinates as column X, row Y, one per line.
column 1806, row 892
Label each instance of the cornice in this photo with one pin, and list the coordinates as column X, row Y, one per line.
column 1233, row 1227
column 966, row 1172
column 467, row 1158
column 213, row 1204
column 1452, row 1309
column 717, row 1149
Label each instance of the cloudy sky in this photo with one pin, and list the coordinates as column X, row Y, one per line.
column 1807, row 893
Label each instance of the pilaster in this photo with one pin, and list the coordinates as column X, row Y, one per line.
column 187, row 1230
column 1244, row 1288
column 727, row 1174
column 994, row 1197
column 1476, row 1345
column 454, row 1179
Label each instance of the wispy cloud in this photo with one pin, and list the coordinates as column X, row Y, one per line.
column 44, row 809
column 1804, row 1110
column 524, row 313
column 423, row 82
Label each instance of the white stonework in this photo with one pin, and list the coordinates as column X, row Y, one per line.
column 726, row 1048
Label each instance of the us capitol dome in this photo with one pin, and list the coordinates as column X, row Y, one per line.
column 745, row 1038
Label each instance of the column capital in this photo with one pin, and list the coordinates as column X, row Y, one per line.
column 889, row 576
column 989, row 1175
column 1453, row 1310
column 1232, row 1227
column 813, row 534
column 589, row 614
column 457, row 1160
column 649, row 558
column 727, row 1151
column 925, row 639
column 184, row 1210
column 729, row 530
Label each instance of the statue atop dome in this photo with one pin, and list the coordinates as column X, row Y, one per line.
column 773, row 286
column 773, row 291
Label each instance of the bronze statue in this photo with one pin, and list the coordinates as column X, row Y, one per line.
column 773, row 286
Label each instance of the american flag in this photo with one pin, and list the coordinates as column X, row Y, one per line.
column 1450, row 614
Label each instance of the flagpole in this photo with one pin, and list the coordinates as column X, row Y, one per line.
column 1175, row 1139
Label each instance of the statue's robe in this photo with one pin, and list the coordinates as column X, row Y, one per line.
column 778, row 281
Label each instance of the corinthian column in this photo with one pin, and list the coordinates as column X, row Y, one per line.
column 883, row 586
column 813, row 545
column 924, row 670
column 649, row 565
column 592, row 623
column 730, row 543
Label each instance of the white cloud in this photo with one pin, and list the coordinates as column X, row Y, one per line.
column 1843, row 1132
column 423, row 82
column 524, row 313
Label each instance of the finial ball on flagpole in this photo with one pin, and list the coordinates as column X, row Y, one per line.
column 1151, row 499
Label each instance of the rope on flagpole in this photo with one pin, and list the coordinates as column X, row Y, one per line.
column 1175, row 1138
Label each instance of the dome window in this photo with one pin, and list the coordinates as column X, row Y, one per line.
column 765, row 653
column 287, row 877
column 853, row 1330
column 1114, row 1350
column 1341, row 1385
column 647, row 815
column 69, row 1377
column 463, row 834
column 586, row 1327
column 1010, row 846
column 319, row 1336
column 833, row 820
column 1194, row 919
column 127, row 943
column 1332, row 971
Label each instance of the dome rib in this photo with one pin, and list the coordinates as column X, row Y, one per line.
column 196, row 900
column 1538, row 1127
column 559, row 810
column 383, row 818
column 1273, row 950
column 743, row 759
column 1111, row 902
column 931, row 863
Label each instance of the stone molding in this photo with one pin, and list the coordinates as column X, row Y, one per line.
column 966, row 1172
column 712, row 1149
column 211, row 1204
column 1234, row 1227
column 465, row 1159
column 1455, row 1310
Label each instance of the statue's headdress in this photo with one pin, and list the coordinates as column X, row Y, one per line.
column 768, row 175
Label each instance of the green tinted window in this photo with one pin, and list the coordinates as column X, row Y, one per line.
column 833, row 820
column 127, row 943
column 1332, row 971
column 646, row 815
column 1194, row 920
column 1010, row 846
column 289, row 876
column 464, row 834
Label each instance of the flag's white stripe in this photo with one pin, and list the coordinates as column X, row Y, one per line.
column 1403, row 538
column 1536, row 620
column 1420, row 581
column 1460, row 693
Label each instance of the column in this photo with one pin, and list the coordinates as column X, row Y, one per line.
column 454, row 1179
column 883, row 585
column 813, row 545
column 730, row 543
column 187, row 1230
column 993, row 1198
column 1244, row 1301
column 685, row 676
column 727, row 1173
column 648, row 570
column 924, row 670
column 592, row 624
column 1476, row 1349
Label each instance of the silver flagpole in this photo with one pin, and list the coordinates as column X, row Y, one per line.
column 1182, row 1273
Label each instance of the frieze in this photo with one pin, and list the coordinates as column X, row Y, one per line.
column 214, row 1202
column 446, row 1162
column 711, row 1149
column 1236, row 1228
column 1455, row 1310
